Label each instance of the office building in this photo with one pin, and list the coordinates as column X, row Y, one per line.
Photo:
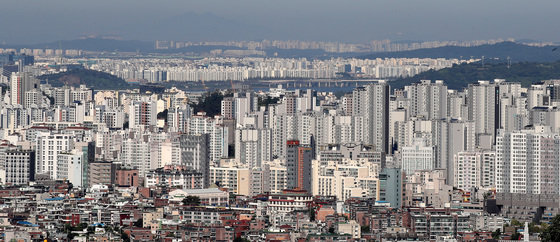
column 19, row 167
column 391, row 190
column 101, row 173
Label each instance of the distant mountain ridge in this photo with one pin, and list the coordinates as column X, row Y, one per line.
column 495, row 53
column 92, row 44
column 492, row 53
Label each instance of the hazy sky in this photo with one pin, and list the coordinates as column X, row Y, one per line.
column 38, row 21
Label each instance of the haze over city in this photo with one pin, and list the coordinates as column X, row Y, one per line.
column 253, row 121
column 33, row 21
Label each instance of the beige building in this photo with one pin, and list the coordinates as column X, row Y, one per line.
column 352, row 228
column 275, row 176
column 233, row 177
column 427, row 187
column 151, row 219
column 345, row 179
column 208, row 196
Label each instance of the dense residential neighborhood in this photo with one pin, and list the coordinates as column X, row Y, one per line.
column 373, row 163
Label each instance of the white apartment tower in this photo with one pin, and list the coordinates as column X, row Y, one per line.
column 482, row 107
column 136, row 154
column 427, row 99
column 474, row 169
column 253, row 146
column 70, row 167
column 49, row 146
column 527, row 161
column 372, row 103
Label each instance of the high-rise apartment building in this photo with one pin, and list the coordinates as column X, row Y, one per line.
column 372, row 103
column 195, row 154
column 228, row 108
column 142, row 113
column 253, row 146
column 483, row 108
column 474, row 169
column 21, row 83
column 217, row 133
column 298, row 164
column 136, row 154
column 527, row 161
column 427, row 99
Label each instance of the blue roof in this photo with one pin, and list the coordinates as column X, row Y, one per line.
column 98, row 224
column 27, row 223
column 54, row 199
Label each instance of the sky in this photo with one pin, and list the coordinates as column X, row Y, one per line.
column 39, row 21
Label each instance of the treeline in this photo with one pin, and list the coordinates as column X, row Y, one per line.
column 459, row 76
column 93, row 79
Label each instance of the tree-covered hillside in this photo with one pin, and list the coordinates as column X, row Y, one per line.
column 459, row 76
column 93, row 79
column 497, row 52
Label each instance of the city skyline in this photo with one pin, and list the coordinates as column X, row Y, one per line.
column 262, row 120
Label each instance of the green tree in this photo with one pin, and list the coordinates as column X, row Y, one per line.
column 516, row 235
column 163, row 114
column 365, row 229
column 139, row 223
column 496, row 234
column 535, row 228
column 191, row 201
column 516, row 223
column 552, row 232
column 312, row 214
column 266, row 101
column 124, row 236
column 209, row 103
column 239, row 239
column 81, row 226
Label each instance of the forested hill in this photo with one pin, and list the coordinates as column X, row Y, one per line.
column 459, row 76
column 93, row 79
column 492, row 53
